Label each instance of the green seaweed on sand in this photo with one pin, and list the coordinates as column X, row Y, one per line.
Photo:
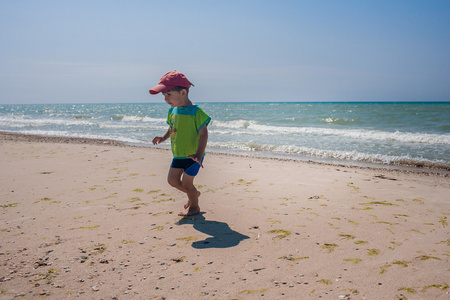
column 243, row 182
column 443, row 221
column 291, row 258
column 329, row 247
column 389, row 223
column 138, row 190
column 113, row 195
column 373, row 251
column 134, row 199
column 394, row 245
column 400, row 263
column 154, row 191
column 366, row 208
column 409, row 290
column 384, row 268
column 271, row 220
column 426, row 257
column 164, row 200
column 249, row 292
column 9, row 205
column 347, row 236
column 415, row 230
column 361, row 242
column 445, row 242
column 388, row 229
column 378, row 203
column 188, row 239
column 325, row 281
column 86, row 228
column 420, row 201
column 163, row 213
column 438, row 286
column 353, row 260
column 281, row 233
column 355, row 188
column 128, row 242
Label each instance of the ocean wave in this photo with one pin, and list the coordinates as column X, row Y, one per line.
column 129, row 126
column 403, row 160
column 125, row 118
column 22, row 122
column 252, row 127
column 81, row 117
column 236, row 124
column 69, row 134
column 340, row 121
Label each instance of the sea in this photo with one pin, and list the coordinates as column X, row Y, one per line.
column 383, row 134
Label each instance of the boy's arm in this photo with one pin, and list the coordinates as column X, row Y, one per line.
column 160, row 139
column 203, row 140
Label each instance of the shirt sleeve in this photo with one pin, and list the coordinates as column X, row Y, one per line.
column 201, row 119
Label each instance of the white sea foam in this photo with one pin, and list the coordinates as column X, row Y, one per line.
column 354, row 155
column 57, row 133
column 252, row 127
column 22, row 122
column 130, row 126
column 142, row 119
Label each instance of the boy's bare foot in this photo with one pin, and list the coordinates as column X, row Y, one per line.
column 190, row 211
column 187, row 204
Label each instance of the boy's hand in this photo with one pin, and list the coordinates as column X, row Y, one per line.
column 158, row 140
column 196, row 158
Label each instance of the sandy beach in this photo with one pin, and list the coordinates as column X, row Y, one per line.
column 95, row 220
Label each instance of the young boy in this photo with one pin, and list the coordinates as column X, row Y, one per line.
column 188, row 135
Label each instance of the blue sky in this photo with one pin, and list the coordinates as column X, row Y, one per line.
column 55, row 51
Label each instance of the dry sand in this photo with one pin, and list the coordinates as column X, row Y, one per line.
column 96, row 221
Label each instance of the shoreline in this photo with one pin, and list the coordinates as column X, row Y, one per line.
column 13, row 136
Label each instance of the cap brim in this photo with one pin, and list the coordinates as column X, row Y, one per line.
column 160, row 88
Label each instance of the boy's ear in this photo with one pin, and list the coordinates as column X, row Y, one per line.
column 183, row 92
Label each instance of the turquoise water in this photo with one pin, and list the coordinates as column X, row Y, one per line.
column 414, row 134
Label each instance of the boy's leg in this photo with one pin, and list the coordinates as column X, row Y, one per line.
column 185, row 183
column 192, row 206
column 174, row 178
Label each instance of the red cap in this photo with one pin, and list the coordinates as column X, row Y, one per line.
column 169, row 81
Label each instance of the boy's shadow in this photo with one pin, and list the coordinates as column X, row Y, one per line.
column 222, row 236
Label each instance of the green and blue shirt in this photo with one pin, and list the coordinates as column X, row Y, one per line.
column 185, row 124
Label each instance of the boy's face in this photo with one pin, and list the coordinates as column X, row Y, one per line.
column 175, row 98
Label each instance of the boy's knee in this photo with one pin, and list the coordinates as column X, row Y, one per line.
column 188, row 186
column 173, row 182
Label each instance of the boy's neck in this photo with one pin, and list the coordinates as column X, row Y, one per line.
column 186, row 102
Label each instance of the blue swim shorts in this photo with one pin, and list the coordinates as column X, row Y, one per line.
column 189, row 166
